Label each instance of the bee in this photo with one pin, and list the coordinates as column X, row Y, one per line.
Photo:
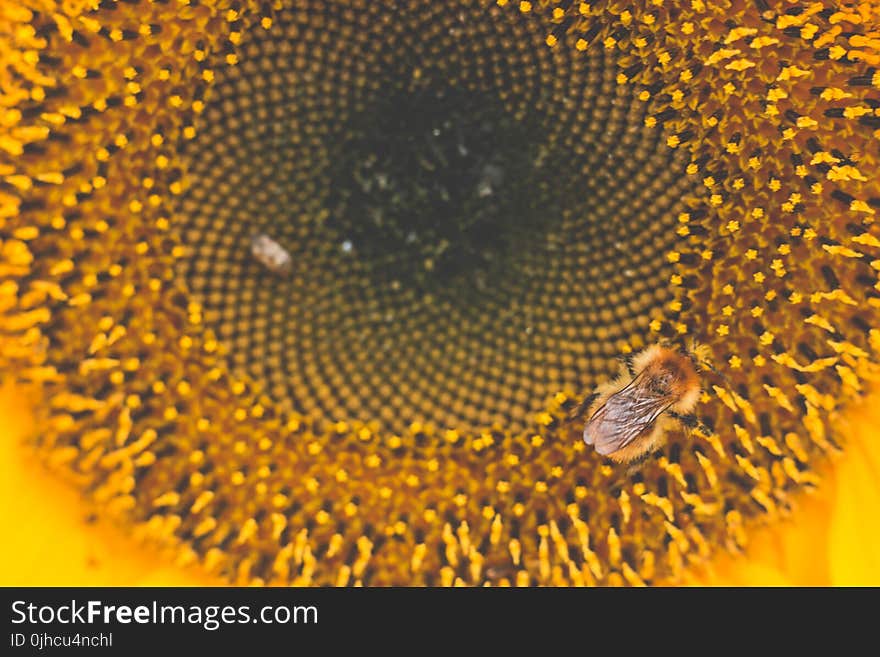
column 271, row 254
column 630, row 416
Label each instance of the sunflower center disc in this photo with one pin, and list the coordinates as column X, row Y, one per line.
column 475, row 221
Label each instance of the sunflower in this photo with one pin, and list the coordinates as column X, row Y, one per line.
column 483, row 206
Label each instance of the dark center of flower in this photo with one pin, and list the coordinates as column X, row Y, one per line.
column 432, row 186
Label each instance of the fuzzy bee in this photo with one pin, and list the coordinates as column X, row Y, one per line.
column 630, row 416
column 271, row 254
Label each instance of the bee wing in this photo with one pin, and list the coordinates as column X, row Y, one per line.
column 625, row 415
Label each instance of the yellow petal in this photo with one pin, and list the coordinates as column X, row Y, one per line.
column 48, row 538
column 755, row 573
column 854, row 536
column 833, row 536
column 804, row 555
column 756, row 567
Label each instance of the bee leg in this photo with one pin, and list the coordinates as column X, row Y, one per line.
column 627, row 361
column 691, row 421
column 703, row 364
column 638, row 463
column 718, row 373
column 581, row 408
